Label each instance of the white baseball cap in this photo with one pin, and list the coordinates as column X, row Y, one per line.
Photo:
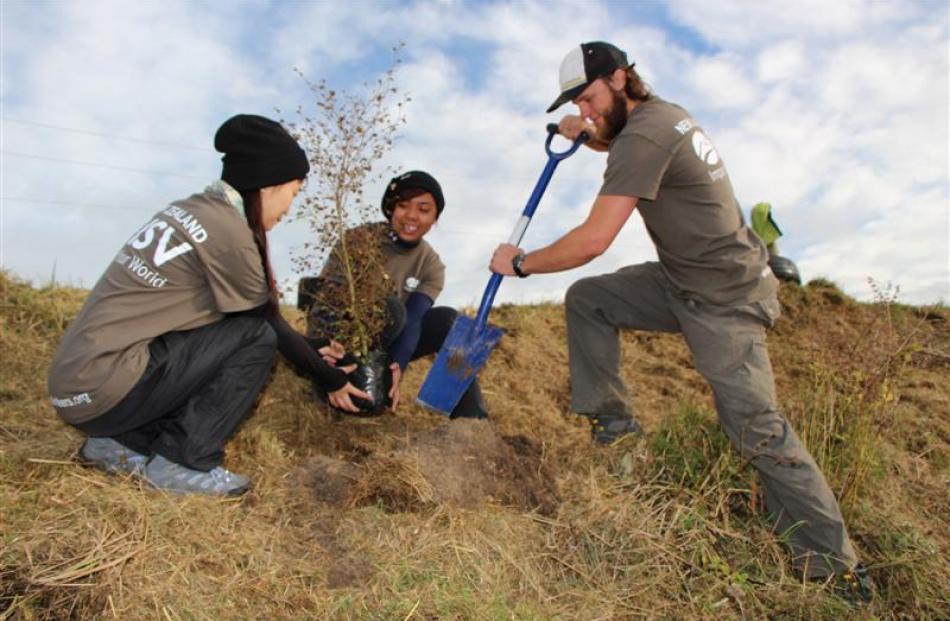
column 584, row 64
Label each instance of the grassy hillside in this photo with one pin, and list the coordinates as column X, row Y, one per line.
column 412, row 517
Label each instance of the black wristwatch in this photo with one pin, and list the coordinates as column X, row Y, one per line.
column 516, row 262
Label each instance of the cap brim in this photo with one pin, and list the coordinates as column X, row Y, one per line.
column 567, row 96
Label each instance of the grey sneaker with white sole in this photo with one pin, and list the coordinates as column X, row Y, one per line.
column 164, row 474
column 113, row 456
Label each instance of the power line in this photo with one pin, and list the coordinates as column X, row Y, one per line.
column 174, row 174
column 501, row 235
column 109, row 136
column 97, row 165
column 526, row 178
column 43, row 201
column 207, row 150
column 18, row 199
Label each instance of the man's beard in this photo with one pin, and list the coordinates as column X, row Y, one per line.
column 616, row 117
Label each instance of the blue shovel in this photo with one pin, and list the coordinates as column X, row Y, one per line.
column 470, row 341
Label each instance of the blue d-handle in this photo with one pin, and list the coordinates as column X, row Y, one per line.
column 553, row 159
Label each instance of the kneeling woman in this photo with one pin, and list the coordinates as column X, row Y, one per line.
column 177, row 338
column 412, row 203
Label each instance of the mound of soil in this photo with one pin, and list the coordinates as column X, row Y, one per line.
column 329, row 479
column 463, row 463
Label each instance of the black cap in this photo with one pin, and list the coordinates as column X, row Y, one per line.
column 414, row 179
column 583, row 65
column 258, row 153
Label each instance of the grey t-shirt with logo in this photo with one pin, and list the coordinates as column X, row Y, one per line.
column 416, row 269
column 664, row 158
column 190, row 264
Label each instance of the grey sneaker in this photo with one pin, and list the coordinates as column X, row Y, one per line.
column 177, row 479
column 113, row 456
column 608, row 428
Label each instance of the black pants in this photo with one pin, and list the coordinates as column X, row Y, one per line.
column 198, row 387
column 436, row 324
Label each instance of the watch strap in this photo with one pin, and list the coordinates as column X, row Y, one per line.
column 516, row 262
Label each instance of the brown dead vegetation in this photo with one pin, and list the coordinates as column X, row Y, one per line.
column 409, row 516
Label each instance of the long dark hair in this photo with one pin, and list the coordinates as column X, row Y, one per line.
column 254, row 213
column 635, row 88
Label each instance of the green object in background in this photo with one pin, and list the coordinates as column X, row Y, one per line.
column 763, row 224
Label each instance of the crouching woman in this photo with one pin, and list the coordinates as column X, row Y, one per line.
column 177, row 338
column 411, row 204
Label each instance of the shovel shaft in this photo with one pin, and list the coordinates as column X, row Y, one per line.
column 517, row 234
column 469, row 343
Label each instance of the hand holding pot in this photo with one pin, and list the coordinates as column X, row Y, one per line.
column 394, row 391
column 333, row 353
column 341, row 398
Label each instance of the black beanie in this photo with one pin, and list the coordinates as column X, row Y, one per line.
column 258, row 153
column 414, row 179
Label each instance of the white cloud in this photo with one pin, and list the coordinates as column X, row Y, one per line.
column 890, row 250
column 114, row 69
column 777, row 62
column 741, row 24
column 847, row 133
column 721, row 78
column 834, row 112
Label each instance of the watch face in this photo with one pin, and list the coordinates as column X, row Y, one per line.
column 516, row 262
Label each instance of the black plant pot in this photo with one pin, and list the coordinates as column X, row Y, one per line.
column 307, row 288
column 373, row 377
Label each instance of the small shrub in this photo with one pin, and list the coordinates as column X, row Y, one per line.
column 345, row 137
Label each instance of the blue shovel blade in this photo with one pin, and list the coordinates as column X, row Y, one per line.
column 463, row 354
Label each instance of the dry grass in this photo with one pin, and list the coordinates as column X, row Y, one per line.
column 670, row 526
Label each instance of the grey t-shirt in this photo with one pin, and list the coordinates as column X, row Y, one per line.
column 411, row 269
column 190, row 264
column 664, row 158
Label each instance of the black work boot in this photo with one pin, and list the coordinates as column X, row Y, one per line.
column 608, row 428
column 854, row 585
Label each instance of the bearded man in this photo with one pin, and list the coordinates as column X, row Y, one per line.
column 712, row 283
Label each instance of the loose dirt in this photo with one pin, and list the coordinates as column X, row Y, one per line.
column 464, row 463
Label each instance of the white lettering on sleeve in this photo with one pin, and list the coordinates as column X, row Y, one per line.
column 684, row 126
column 68, row 402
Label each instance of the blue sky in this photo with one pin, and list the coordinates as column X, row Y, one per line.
column 835, row 112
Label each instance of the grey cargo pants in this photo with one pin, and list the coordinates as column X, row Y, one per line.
column 729, row 350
